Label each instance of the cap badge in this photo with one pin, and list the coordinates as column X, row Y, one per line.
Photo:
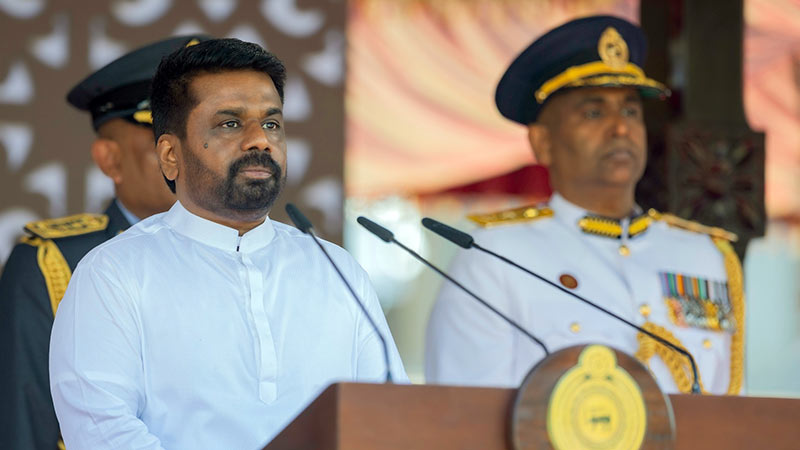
column 612, row 49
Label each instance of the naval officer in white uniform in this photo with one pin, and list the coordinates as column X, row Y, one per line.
column 579, row 90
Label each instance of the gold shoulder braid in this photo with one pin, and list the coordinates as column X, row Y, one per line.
column 68, row 226
column 736, row 292
column 51, row 261
column 677, row 222
column 55, row 270
column 507, row 217
column 678, row 364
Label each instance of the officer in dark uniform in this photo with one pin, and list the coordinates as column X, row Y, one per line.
column 39, row 268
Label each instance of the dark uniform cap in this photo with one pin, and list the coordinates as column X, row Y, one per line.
column 122, row 87
column 592, row 51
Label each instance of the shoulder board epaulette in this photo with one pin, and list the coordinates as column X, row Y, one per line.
column 509, row 216
column 678, row 222
column 68, row 226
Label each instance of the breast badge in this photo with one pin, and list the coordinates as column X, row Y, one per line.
column 697, row 302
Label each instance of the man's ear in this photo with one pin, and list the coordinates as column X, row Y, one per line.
column 539, row 138
column 108, row 156
column 167, row 155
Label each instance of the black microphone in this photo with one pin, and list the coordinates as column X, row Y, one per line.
column 387, row 236
column 299, row 220
column 464, row 240
column 303, row 224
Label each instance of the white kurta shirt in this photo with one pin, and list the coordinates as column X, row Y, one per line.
column 180, row 334
column 468, row 345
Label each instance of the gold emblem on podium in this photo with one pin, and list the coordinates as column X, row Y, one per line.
column 596, row 405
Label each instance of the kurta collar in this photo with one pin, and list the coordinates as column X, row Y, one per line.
column 217, row 235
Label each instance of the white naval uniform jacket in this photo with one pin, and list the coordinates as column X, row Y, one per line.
column 468, row 345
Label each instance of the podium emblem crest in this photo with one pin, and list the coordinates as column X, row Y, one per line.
column 596, row 405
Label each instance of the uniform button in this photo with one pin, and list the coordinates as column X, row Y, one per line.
column 575, row 327
column 568, row 281
column 644, row 310
column 624, row 250
column 707, row 343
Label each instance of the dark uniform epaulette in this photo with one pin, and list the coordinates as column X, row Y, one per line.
column 68, row 226
column 677, row 222
column 509, row 216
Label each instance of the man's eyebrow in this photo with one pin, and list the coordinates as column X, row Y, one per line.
column 590, row 100
column 236, row 112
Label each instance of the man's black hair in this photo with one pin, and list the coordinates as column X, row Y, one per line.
column 170, row 97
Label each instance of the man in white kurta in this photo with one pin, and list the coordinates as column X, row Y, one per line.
column 579, row 90
column 211, row 326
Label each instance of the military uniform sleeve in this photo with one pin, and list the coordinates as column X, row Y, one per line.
column 464, row 338
column 27, row 418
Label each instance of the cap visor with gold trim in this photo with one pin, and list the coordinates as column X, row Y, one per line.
column 597, row 51
column 121, row 89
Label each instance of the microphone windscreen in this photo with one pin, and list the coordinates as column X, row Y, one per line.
column 457, row 237
column 298, row 219
column 374, row 228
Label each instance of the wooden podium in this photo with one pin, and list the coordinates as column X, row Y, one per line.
column 382, row 417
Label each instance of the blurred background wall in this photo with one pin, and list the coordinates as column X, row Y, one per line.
column 396, row 136
column 49, row 46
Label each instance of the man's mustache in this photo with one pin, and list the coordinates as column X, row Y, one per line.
column 260, row 159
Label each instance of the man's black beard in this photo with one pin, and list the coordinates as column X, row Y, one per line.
column 253, row 194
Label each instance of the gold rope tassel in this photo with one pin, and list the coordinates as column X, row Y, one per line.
column 678, row 364
column 736, row 294
column 55, row 270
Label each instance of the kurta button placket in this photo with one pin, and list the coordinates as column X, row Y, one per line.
column 265, row 345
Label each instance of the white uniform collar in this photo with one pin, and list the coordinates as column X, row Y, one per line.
column 217, row 235
column 566, row 212
column 572, row 215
